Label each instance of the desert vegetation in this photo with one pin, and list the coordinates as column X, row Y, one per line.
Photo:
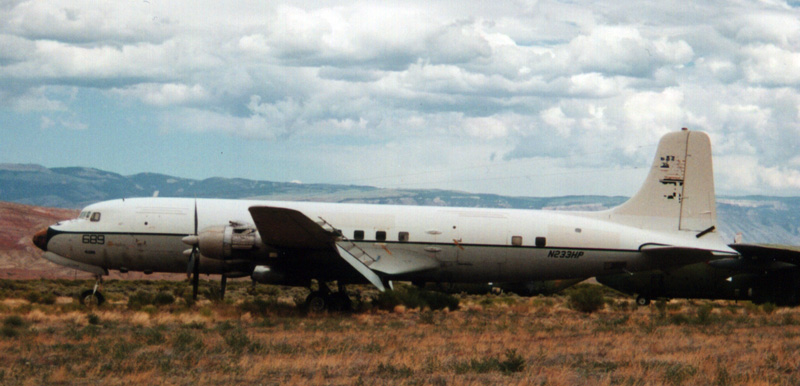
column 151, row 332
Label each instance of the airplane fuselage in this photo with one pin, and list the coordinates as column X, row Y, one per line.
column 404, row 242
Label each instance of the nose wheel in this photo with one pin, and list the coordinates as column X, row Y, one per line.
column 92, row 297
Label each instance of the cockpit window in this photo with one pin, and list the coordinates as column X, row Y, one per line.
column 95, row 216
column 84, row 214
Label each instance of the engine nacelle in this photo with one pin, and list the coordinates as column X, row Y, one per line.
column 234, row 241
column 267, row 275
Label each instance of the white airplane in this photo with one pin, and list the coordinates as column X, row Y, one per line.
column 670, row 222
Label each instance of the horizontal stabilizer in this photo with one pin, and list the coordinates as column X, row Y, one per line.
column 361, row 268
column 676, row 256
column 767, row 252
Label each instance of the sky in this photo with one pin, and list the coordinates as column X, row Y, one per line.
column 522, row 98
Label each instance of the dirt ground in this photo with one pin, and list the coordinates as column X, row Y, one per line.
column 259, row 337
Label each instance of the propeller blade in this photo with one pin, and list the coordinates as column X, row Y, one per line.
column 195, row 276
column 223, row 284
column 190, row 266
column 194, row 261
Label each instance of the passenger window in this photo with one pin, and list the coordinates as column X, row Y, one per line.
column 95, row 216
column 358, row 235
column 403, row 237
column 380, row 235
column 516, row 241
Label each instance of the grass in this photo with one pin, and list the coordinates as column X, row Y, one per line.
column 259, row 336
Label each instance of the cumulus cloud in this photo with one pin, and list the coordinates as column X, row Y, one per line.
column 542, row 81
column 164, row 94
column 747, row 176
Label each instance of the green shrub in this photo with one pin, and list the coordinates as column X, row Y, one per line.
column 513, row 363
column 213, row 293
column 586, row 299
column 33, row 296
column 388, row 370
column 48, row 298
column 10, row 325
column 256, row 306
column 413, row 297
column 140, row 299
column 9, row 332
column 236, row 338
column 704, row 315
column 93, row 319
column 13, row 321
column 163, row 299
column 186, row 341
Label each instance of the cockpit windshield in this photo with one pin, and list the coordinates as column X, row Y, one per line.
column 88, row 215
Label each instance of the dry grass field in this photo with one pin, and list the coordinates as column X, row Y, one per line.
column 148, row 334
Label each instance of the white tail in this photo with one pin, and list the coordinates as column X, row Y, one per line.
column 678, row 194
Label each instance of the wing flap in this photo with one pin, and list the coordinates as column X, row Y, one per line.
column 401, row 262
column 361, row 268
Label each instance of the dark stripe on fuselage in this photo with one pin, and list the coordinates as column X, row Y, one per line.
column 57, row 232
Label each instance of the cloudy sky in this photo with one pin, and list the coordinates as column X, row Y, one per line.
column 532, row 98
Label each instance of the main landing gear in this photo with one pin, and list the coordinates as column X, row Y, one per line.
column 93, row 297
column 325, row 300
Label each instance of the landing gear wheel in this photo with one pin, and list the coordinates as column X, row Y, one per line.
column 339, row 301
column 317, row 302
column 642, row 300
column 91, row 298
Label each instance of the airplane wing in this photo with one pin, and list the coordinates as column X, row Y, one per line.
column 769, row 252
column 288, row 228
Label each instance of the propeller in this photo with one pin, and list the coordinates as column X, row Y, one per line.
column 193, row 268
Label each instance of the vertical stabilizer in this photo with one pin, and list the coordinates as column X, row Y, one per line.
column 678, row 194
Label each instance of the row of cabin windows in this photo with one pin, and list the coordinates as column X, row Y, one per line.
column 381, row 236
column 403, row 237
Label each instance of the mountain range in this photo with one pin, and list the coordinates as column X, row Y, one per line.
column 762, row 219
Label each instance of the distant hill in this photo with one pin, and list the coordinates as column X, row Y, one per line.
column 759, row 218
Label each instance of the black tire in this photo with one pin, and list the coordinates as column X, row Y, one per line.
column 642, row 300
column 340, row 302
column 317, row 302
column 91, row 298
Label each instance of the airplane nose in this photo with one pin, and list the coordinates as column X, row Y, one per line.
column 40, row 239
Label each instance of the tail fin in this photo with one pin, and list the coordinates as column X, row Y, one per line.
column 678, row 194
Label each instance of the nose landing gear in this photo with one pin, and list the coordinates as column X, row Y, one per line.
column 93, row 297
